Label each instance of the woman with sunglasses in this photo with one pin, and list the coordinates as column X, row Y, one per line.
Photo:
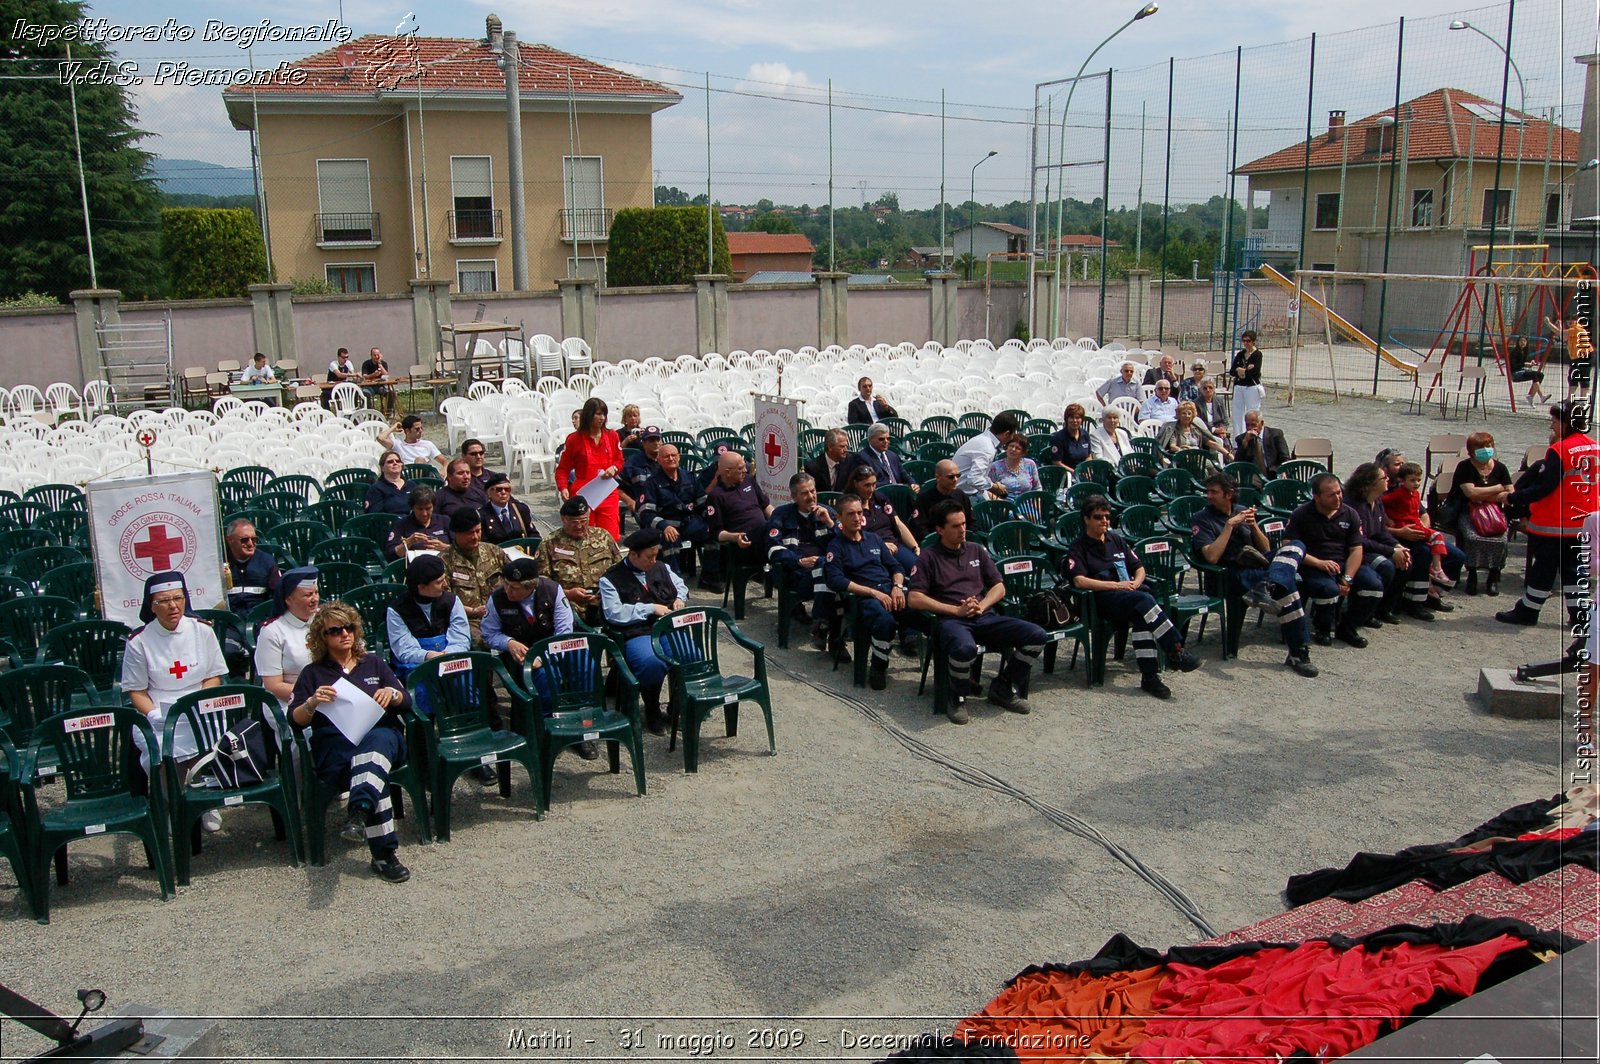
column 338, row 653
column 390, row 493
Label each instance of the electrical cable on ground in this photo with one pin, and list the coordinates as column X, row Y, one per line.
column 977, row 777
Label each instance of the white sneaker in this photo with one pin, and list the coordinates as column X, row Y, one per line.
column 211, row 820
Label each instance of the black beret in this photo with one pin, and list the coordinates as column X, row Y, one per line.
column 576, row 506
column 643, row 539
column 465, row 520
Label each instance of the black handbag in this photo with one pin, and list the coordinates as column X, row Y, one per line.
column 1051, row 610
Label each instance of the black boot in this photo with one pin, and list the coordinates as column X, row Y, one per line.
column 655, row 721
column 1472, row 581
column 1492, row 586
column 1518, row 614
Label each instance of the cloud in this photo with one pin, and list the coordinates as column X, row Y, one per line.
column 188, row 122
column 766, row 77
column 829, row 26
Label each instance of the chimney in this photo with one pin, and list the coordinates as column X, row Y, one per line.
column 492, row 26
column 1335, row 126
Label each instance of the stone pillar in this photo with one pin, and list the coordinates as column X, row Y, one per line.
column 430, row 308
column 272, row 320
column 833, row 309
column 711, row 313
column 1138, row 283
column 944, row 312
column 1586, row 186
column 580, row 308
column 91, row 305
column 1046, row 296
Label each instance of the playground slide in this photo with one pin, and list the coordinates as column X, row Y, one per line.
column 1340, row 325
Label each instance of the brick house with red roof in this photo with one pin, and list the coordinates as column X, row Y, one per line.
column 755, row 252
column 352, row 198
column 1445, row 177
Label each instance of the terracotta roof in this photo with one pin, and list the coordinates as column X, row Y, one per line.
column 450, row 65
column 1004, row 227
column 1083, row 240
column 1441, row 127
column 769, row 244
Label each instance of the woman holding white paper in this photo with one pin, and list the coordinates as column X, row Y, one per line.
column 592, row 452
column 342, row 679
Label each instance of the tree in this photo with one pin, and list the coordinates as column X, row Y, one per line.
column 41, row 214
column 671, row 196
column 771, row 222
column 663, row 245
column 212, row 254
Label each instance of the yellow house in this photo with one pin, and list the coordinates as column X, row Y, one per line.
column 385, row 159
column 1442, row 180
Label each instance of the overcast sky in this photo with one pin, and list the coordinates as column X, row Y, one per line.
column 888, row 60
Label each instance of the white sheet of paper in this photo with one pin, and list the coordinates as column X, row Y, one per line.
column 598, row 490
column 515, row 552
column 413, row 555
column 353, row 711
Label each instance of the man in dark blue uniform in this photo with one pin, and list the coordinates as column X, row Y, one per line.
column 945, row 475
column 1101, row 561
column 859, row 563
column 253, row 574
column 505, row 517
column 638, row 468
column 1333, row 569
column 671, row 503
column 957, row 582
column 736, row 513
column 797, row 538
column 1228, row 535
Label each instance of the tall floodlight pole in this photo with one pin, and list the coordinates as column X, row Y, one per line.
column 1061, row 186
column 972, row 223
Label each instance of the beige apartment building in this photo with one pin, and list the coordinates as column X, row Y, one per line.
column 385, row 159
column 1443, row 180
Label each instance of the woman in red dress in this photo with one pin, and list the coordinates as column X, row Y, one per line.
column 592, row 451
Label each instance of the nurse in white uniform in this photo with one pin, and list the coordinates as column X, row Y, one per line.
column 173, row 655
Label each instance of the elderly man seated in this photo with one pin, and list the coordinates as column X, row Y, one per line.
column 1161, row 407
column 878, row 456
column 1163, row 370
column 1261, row 444
column 1109, row 441
column 1120, row 386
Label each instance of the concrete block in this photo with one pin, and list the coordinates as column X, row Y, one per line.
column 180, row 1037
column 1503, row 696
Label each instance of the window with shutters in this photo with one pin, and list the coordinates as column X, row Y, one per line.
column 475, row 275
column 351, row 277
column 1496, row 206
column 344, row 204
column 584, row 215
column 472, row 214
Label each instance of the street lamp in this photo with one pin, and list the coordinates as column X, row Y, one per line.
column 1061, row 189
column 1522, row 107
column 972, row 223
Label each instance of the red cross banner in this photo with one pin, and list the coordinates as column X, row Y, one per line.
column 147, row 525
column 777, row 447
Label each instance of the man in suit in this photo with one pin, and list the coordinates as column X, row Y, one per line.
column 864, row 409
column 1264, row 446
column 504, row 517
column 879, row 456
column 825, row 467
column 1164, row 370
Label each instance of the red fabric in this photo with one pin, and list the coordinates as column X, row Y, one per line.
column 583, row 459
column 1054, row 1016
column 1554, row 834
column 1313, row 998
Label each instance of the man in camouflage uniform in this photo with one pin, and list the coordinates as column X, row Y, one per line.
column 472, row 566
column 577, row 557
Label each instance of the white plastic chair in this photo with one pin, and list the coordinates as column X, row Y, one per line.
column 62, row 400
column 346, row 398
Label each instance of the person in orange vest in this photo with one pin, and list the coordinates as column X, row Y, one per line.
column 1560, row 495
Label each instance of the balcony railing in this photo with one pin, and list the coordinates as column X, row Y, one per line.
column 585, row 223
column 1279, row 239
column 348, row 228
column 475, row 225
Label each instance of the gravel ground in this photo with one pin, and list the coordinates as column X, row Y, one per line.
column 845, row 877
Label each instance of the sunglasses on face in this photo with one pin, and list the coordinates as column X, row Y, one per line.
column 474, row 454
column 339, row 629
column 247, row 539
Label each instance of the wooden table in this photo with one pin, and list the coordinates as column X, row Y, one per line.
column 472, row 331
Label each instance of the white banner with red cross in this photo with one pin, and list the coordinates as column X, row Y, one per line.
column 777, row 445
column 148, row 525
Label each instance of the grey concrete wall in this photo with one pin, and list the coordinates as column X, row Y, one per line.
column 639, row 324
column 1007, row 300
column 323, row 324
column 539, row 313
column 203, row 333
column 773, row 316
column 889, row 315
column 38, row 347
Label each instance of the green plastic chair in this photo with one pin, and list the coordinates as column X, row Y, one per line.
column 404, row 779
column 1302, row 469
column 226, row 624
column 256, row 477
column 74, row 581
column 58, row 497
column 1146, row 445
column 1199, row 462
column 1015, row 537
column 333, row 512
column 1040, row 507
column 458, row 736
column 372, row 602
column 351, row 550
column 299, row 538
column 1034, row 426
column 209, row 714
column 95, row 646
column 1280, row 498
column 989, row 513
column 1026, row 575
column 1166, row 565
column 1139, row 465
column 235, row 494
column 918, row 470
column 707, row 439
column 1246, row 474
column 1052, row 478
column 940, row 424
column 1180, row 516
column 902, row 497
column 1136, row 491
column 33, row 692
column 17, row 540
column 285, row 504
column 265, row 520
column 571, row 668
column 374, row 528
column 70, row 528
column 1176, row 483
column 24, row 622
column 975, row 420
column 95, row 755
column 13, row 845
column 1082, row 492
column 937, row 451
column 309, row 488
column 421, row 471
column 32, row 564
column 687, row 641
column 335, row 580
column 350, row 475
column 347, row 493
column 1140, row 521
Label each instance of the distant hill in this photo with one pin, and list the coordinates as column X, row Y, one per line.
column 191, row 177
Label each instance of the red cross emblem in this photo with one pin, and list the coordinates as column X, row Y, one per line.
column 158, row 548
column 772, row 449
column 178, row 669
column 146, row 438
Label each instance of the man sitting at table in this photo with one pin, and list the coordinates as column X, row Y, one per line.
column 342, row 369
column 374, row 371
column 258, row 372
